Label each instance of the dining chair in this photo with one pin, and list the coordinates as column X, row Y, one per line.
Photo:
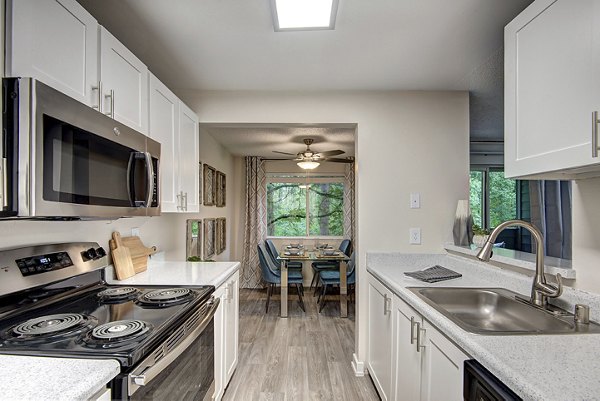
column 272, row 276
column 318, row 267
column 332, row 278
column 273, row 254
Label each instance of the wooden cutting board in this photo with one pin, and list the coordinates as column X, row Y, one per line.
column 121, row 258
column 138, row 251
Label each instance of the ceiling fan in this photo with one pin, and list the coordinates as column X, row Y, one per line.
column 309, row 159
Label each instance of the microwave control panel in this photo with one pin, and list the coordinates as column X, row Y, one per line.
column 43, row 263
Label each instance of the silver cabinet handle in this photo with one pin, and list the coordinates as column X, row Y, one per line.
column 595, row 122
column 386, row 299
column 184, row 195
column 412, row 329
column 179, row 201
column 98, row 89
column 419, row 338
column 111, row 113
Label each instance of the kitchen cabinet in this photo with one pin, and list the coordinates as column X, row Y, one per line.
column 552, row 55
column 409, row 359
column 124, row 81
column 226, row 333
column 176, row 127
column 379, row 360
column 56, row 42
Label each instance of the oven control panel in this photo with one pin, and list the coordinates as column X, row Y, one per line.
column 44, row 263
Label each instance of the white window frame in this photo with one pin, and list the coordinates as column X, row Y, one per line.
column 282, row 178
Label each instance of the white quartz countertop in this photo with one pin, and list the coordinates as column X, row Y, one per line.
column 179, row 273
column 26, row 378
column 536, row 367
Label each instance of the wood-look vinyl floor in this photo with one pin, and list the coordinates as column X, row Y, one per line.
column 304, row 357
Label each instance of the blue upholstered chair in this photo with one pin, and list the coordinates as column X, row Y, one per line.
column 318, row 267
column 273, row 254
column 272, row 276
column 332, row 278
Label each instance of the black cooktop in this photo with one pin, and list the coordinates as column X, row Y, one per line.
column 117, row 322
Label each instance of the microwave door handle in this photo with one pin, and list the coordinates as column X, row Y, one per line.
column 150, row 179
column 131, row 179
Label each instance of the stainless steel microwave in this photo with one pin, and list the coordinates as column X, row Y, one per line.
column 61, row 158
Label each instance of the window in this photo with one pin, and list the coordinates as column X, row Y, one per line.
column 493, row 198
column 300, row 208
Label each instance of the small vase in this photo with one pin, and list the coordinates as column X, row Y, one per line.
column 462, row 232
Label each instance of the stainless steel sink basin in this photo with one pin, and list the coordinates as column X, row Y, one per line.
column 497, row 311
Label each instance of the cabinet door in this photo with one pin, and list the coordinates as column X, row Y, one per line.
column 219, row 323
column 55, row 41
column 232, row 326
column 164, row 128
column 379, row 360
column 127, row 77
column 552, row 87
column 407, row 359
column 442, row 369
column 188, row 158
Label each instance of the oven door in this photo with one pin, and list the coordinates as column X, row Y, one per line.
column 185, row 372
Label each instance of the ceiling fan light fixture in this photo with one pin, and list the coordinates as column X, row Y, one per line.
column 303, row 15
column 308, row 164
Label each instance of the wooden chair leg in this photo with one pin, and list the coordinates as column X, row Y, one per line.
column 298, row 289
column 314, row 279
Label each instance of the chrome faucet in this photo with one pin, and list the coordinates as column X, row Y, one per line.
column 540, row 289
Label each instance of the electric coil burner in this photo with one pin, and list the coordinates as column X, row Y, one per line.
column 62, row 324
column 163, row 338
column 118, row 294
column 165, row 297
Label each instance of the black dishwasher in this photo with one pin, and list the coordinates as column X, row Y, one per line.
column 481, row 385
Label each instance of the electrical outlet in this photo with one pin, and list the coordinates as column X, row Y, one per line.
column 414, row 236
column 135, row 232
column 415, row 200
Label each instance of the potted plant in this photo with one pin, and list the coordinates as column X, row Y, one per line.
column 480, row 235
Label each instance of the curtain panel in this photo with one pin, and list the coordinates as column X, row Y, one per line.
column 551, row 214
column 349, row 203
column 255, row 230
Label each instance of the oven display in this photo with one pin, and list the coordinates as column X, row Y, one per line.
column 44, row 263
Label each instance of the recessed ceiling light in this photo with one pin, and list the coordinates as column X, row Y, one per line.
column 303, row 15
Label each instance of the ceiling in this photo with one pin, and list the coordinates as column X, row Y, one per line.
column 376, row 45
column 263, row 139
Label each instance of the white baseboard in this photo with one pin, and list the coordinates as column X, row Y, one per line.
column 358, row 366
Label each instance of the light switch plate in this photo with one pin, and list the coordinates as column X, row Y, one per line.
column 135, row 232
column 415, row 200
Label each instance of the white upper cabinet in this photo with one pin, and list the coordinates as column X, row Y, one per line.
column 164, row 128
column 189, row 169
column 124, row 83
column 552, row 88
column 176, row 127
column 56, row 42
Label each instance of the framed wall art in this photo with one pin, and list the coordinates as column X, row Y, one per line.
column 210, row 185
column 209, row 238
column 221, row 240
column 221, row 185
column 200, row 180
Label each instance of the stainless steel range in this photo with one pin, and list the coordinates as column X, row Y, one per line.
column 53, row 302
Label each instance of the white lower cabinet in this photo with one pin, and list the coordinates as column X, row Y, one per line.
column 226, row 333
column 409, row 359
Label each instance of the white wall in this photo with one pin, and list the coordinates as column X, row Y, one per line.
column 406, row 142
column 586, row 234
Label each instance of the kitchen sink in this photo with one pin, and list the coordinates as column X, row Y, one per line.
column 498, row 311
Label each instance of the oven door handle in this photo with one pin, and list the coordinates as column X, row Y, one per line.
column 148, row 369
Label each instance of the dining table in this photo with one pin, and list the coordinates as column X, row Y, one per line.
column 316, row 255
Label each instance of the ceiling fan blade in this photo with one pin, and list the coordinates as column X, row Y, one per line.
column 284, row 153
column 330, row 153
column 337, row 160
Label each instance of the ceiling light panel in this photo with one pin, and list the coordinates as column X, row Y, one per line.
column 304, row 15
